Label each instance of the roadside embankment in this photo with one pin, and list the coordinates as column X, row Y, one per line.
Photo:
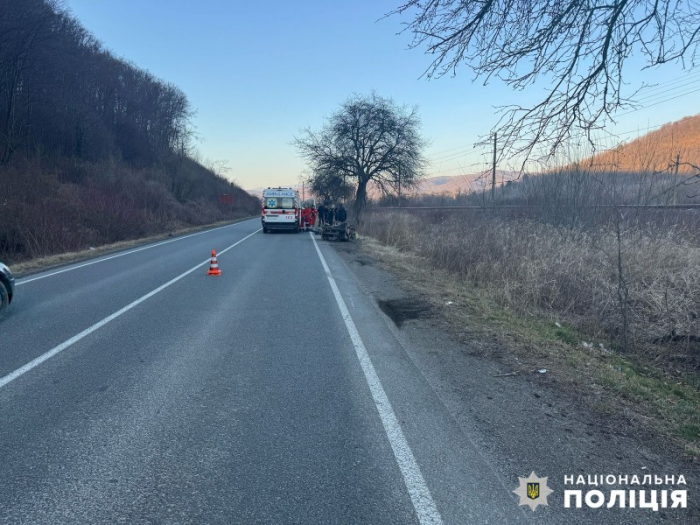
column 51, row 261
column 610, row 311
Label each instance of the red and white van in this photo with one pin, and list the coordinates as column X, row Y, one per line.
column 281, row 210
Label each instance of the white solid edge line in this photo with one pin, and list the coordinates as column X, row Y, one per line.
column 122, row 254
column 417, row 488
column 60, row 348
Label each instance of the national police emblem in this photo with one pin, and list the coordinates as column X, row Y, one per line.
column 533, row 491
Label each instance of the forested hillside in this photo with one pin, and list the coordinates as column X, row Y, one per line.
column 658, row 150
column 93, row 149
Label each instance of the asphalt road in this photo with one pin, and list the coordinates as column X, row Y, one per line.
column 136, row 389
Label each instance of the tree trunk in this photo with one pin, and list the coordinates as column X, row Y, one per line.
column 7, row 132
column 360, row 200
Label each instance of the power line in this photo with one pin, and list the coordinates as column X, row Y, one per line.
column 667, row 85
column 654, row 95
column 639, row 130
column 660, row 102
column 464, row 151
column 453, row 159
column 447, row 150
column 672, row 81
column 455, row 169
column 672, row 91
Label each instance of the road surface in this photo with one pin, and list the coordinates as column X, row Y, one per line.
column 136, row 389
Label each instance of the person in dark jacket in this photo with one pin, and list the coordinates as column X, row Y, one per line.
column 330, row 215
column 342, row 214
column 322, row 214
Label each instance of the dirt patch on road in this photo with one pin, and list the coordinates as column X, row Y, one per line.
column 401, row 310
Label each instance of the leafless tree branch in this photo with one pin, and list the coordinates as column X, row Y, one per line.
column 580, row 47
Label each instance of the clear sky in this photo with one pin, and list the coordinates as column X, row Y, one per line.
column 257, row 72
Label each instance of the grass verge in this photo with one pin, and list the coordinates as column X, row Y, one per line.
column 52, row 261
column 615, row 385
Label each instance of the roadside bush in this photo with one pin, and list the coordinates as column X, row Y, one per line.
column 641, row 286
column 75, row 204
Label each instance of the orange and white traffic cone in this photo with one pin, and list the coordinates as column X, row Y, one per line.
column 214, row 265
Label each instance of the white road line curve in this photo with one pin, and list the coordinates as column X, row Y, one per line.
column 69, row 342
column 121, row 254
column 418, row 490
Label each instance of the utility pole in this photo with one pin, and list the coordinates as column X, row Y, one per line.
column 675, row 182
column 399, row 185
column 493, row 172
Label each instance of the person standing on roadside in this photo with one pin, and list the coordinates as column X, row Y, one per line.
column 342, row 214
column 322, row 214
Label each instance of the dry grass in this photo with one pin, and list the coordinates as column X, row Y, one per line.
column 43, row 263
column 622, row 385
column 525, row 264
column 49, row 209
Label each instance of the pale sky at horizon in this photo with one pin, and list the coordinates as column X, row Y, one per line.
column 259, row 72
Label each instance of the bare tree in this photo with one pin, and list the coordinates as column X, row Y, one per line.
column 578, row 46
column 22, row 31
column 369, row 139
column 330, row 186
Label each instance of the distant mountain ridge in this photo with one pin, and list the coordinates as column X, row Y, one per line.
column 465, row 183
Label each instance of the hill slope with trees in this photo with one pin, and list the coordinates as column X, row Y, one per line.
column 92, row 148
column 658, row 150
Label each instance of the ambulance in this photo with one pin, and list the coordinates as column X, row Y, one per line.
column 281, row 210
